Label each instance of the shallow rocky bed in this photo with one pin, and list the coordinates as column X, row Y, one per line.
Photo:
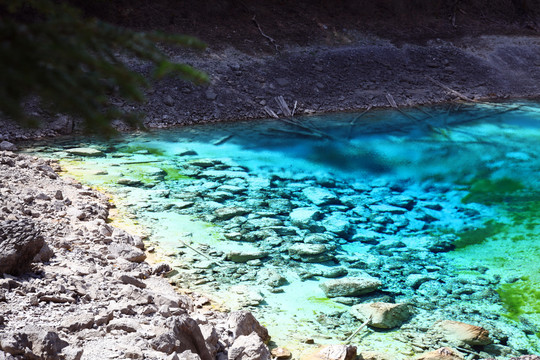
column 363, row 241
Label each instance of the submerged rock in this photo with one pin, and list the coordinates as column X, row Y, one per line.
column 90, row 152
column 460, row 334
column 350, row 286
column 382, row 315
column 310, row 253
column 306, row 217
column 227, row 213
column 129, row 182
column 320, row 196
column 246, row 255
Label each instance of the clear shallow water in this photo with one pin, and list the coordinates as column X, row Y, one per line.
column 439, row 204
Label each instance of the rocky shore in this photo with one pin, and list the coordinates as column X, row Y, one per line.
column 366, row 71
column 73, row 287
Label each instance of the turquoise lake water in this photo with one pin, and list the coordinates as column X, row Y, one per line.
column 440, row 204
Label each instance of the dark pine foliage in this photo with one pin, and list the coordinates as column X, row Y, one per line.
column 70, row 64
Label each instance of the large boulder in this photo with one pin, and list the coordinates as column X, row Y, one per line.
column 20, row 242
column 350, row 286
column 459, row 333
column 46, row 344
column 333, row 352
column 128, row 252
column 244, row 323
column 382, row 315
column 249, row 347
column 182, row 334
column 7, row 146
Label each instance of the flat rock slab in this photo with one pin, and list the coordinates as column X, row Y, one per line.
column 382, row 315
column 320, row 196
column 245, row 256
column 350, row 286
column 90, row 152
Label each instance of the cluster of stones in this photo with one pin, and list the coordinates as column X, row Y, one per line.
column 303, row 220
column 73, row 287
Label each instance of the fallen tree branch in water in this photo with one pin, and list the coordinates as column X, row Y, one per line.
column 192, row 248
column 353, row 121
column 358, row 330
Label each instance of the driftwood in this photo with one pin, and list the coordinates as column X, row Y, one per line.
column 192, row 248
column 272, row 41
column 391, row 100
column 353, row 121
column 358, row 330
column 457, row 93
column 223, row 140
column 283, row 106
column 270, row 112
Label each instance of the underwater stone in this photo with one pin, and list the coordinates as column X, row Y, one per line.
column 187, row 152
column 310, row 253
column 282, row 206
column 335, row 272
column 226, row 213
column 402, row 201
column 232, row 189
column 320, row 196
column 382, row 315
column 415, row 280
column 223, row 174
column 305, row 218
column 338, row 224
column 183, row 204
column 204, row 163
column 367, row 236
column 245, row 256
column 129, row 182
column 350, row 286
column 388, row 209
column 460, row 333
column 318, row 239
column 90, row 152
